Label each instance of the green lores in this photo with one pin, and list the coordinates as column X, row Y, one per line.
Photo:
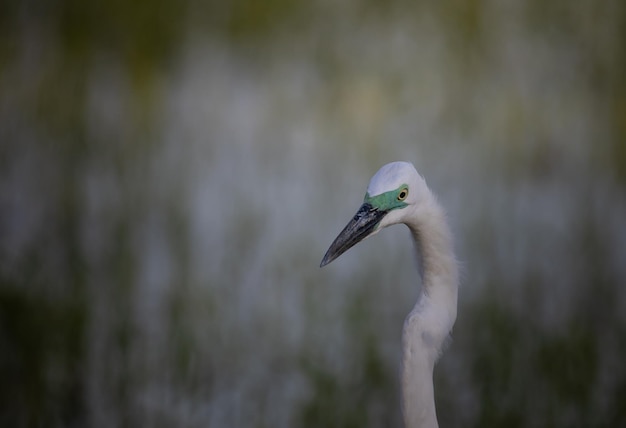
column 389, row 200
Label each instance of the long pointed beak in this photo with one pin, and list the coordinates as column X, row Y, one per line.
column 362, row 225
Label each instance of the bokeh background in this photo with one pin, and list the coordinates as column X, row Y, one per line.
column 172, row 172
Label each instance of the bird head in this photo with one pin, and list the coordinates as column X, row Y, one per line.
column 393, row 192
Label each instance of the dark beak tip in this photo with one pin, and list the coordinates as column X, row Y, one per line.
column 325, row 261
column 360, row 227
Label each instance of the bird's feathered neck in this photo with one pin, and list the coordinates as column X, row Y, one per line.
column 428, row 325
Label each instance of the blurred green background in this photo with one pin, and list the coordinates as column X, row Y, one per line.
column 172, row 172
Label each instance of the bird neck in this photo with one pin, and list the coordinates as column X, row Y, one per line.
column 429, row 323
column 435, row 256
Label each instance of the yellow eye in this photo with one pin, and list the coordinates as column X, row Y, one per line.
column 403, row 194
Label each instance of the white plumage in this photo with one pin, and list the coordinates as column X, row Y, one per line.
column 398, row 194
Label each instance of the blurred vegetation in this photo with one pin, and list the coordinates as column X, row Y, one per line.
column 157, row 160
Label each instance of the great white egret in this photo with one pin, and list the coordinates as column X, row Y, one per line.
column 398, row 194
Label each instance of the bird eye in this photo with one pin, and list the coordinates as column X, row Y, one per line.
column 403, row 194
